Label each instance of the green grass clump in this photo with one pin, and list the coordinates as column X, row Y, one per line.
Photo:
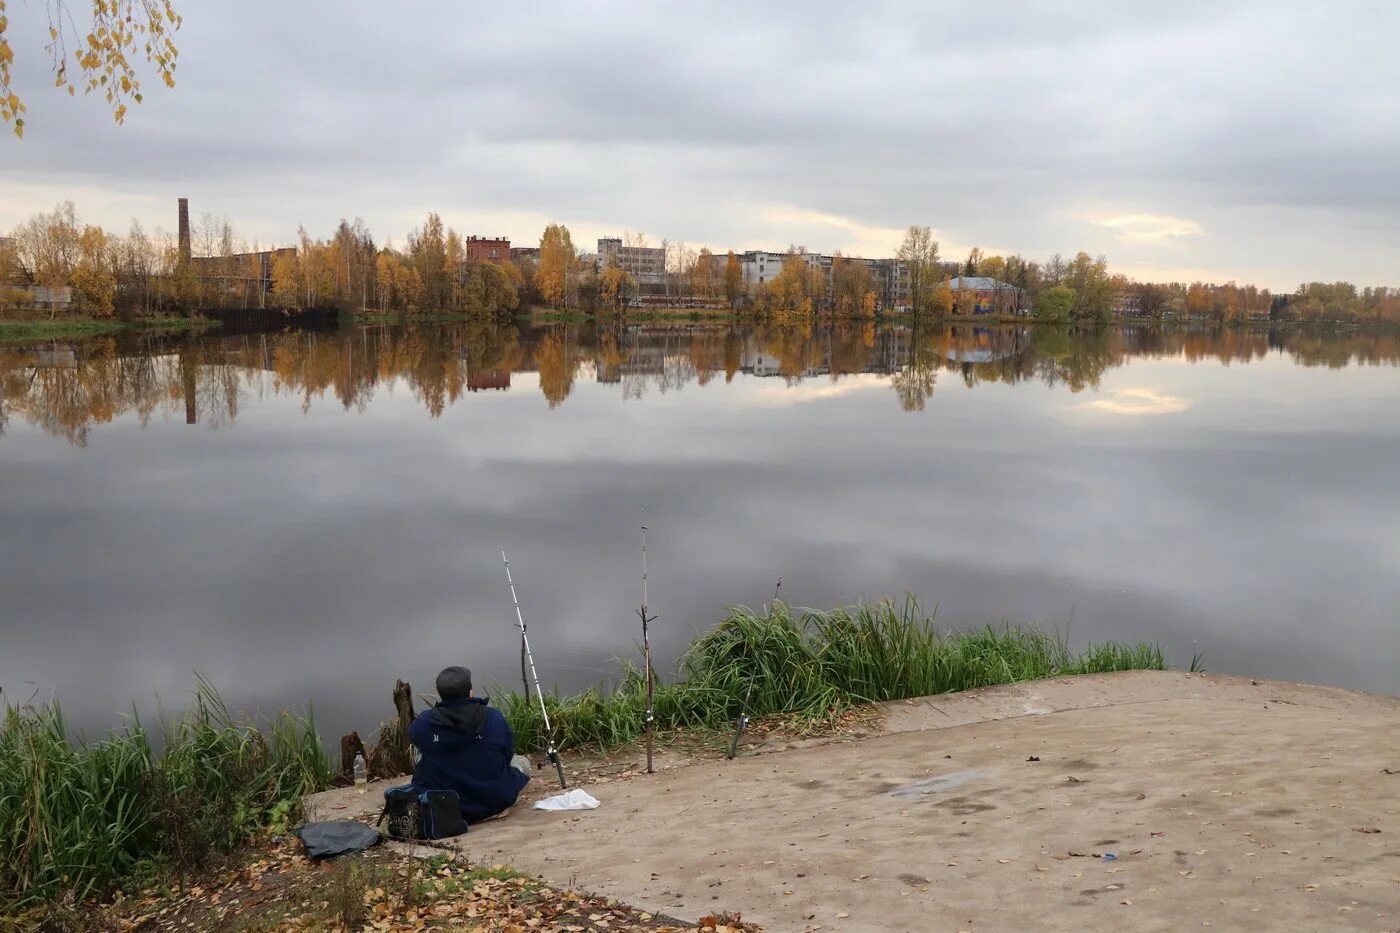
column 82, row 817
column 815, row 664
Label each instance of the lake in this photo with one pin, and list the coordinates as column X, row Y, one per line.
column 313, row 515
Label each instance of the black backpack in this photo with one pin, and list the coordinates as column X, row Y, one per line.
column 412, row 813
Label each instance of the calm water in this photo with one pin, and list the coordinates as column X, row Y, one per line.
column 313, row 515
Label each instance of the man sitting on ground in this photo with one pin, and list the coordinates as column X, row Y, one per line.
column 467, row 746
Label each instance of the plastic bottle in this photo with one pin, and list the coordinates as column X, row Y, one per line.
column 361, row 772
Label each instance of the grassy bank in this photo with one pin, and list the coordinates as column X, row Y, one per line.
column 87, row 816
column 812, row 665
column 83, row 817
column 90, row 327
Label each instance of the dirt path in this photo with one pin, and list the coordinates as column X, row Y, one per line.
column 1226, row 802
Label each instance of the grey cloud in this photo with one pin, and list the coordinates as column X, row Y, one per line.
column 1000, row 123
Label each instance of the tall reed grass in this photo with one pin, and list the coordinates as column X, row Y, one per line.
column 813, row 665
column 85, row 816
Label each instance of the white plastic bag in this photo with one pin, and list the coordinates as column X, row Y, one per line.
column 574, row 800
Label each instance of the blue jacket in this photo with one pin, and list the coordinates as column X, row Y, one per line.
column 466, row 746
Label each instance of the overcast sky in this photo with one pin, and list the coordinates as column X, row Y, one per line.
column 1254, row 141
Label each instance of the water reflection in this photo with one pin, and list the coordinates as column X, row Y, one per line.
column 67, row 389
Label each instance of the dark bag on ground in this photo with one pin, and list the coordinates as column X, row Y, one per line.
column 411, row 813
column 337, row 837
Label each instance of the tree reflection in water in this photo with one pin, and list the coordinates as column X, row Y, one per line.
column 67, row 388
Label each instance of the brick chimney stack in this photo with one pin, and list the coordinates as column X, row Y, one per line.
column 184, row 231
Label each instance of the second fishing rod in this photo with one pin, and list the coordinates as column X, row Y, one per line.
column 552, row 750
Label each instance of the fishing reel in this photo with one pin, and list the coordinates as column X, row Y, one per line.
column 553, row 755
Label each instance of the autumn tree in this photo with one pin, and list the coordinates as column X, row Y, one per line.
column 1150, row 300
column 795, row 290
column 965, row 299
column 679, row 261
column 974, row 259
column 1055, row 305
column 355, row 262
column 316, row 270
column 94, row 286
column 919, row 253
column 850, row 284
column 491, row 288
column 940, row 302
column 120, row 33
column 525, row 268
column 557, row 258
column 46, row 246
column 427, row 253
column 1093, row 288
column 616, row 287
column 704, row 275
column 453, row 261
column 286, row 284
column 733, row 279
column 1024, row 276
column 9, row 262
column 993, row 267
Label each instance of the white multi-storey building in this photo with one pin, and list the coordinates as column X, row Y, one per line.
column 646, row 264
column 889, row 277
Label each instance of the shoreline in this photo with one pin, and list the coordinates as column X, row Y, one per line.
column 93, row 327
column 78, row 328
column 806, row 671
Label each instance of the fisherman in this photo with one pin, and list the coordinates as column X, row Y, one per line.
column 467, row 746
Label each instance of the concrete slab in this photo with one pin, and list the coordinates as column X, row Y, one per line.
column 1225, row 802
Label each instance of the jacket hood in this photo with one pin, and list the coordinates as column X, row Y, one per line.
column 468, row 714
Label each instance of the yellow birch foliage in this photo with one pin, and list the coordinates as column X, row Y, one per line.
column 122, row 33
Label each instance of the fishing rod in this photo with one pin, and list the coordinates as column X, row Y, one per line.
column 742, row 722
column 552, row 752
column 646, row 645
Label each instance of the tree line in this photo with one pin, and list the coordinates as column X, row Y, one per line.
column 136, row 274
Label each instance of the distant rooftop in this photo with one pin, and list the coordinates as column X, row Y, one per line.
column 976, row 283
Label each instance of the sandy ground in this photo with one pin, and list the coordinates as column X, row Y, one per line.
column 1226, row 802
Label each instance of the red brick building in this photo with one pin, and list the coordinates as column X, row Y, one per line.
column 486, row 249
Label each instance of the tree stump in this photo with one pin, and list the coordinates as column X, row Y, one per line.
column 403, row 704
column 393, row 753
column 350, row 744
